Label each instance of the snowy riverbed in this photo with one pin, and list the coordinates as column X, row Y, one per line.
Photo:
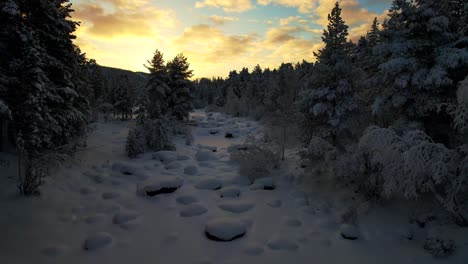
column 98, row 211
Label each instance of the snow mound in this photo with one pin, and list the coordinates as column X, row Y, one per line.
column 236, row 207
column 97, row 241
column 209, row 184
column 55, row 250
column 253, row 249
column 166, row 156
column 265, row 183
column 348, row 231
column 204, row 155
column 230, row 192
column 110, row 195
column 173, row 165
column 225, row 229
column 124, row 217
column 193, row 210
column 275, row 203
column 160, row 186
column 87, row 190
column 191, row 170
column 93, row 219
column 293, row 222
column 282, row 243
column 124, row 168
column 186, row 199
column 183, row 157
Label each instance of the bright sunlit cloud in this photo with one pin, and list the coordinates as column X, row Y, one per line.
column 216, row 35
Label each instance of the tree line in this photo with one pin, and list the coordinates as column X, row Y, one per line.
column 386, row 115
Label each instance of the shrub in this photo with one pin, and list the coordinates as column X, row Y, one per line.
column 150, row 135
column 255, row 160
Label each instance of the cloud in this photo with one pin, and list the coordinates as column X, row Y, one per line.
column 124, row 18
column 288, row 20
column 303, row 6
column 227, row 5
column 221, row 20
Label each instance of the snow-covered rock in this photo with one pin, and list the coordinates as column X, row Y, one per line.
column 348, row 231
column 204, row 155
column 124, row 168
column 162, row 185
column 191, row 170
column 225, row 229
column 282, row 243
column 186, row 199
column 173, row 165
column 209, row 184
column 253, row 249
column 124, row 217
column 230, row 192
column 97, row 241
column 165, row 156
column 193, row 210
column 236, row 207
column 265, row 183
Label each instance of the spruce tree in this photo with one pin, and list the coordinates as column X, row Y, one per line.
column 329, row 101
column 180, row 98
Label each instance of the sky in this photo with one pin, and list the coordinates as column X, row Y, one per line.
column 216, row 36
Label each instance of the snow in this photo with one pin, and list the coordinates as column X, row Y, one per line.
column 97, row 241
column 266, row 183
column 225, row 229
column 193, row 210
column 209, row 184
column 205, row 155
column 121, row 226
column 348, row 231
column 279, row 242
column 186, row 199
column 164, row 184
column 230, row 192
column 191, row 170
column 236, row 206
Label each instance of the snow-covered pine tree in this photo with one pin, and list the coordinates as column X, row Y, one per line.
column 46, row 87
column 180, row 98
column 153, row 103
column 328, row 101
column 424, row 60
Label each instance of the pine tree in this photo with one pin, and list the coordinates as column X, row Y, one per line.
column 180, row 98
column 153, row 103
column 329, row 98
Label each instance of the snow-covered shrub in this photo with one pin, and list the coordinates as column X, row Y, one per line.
column 411, row 165
column 255, row 160
column 437, row 245
column 33, row 169
column 158, row 134
column 149, row 135
column 136, row 142
column 461, row 113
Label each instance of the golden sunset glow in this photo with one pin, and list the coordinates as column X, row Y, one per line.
column 216, row 35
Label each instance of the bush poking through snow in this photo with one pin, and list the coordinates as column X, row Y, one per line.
column 149, row 135
column 255, row 161
column 35, row 169
column 438, row 246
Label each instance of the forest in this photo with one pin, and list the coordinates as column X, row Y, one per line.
column 378, row 121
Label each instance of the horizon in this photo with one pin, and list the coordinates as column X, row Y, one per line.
column 124, row 34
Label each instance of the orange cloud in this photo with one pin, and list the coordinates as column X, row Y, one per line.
column 227, row 5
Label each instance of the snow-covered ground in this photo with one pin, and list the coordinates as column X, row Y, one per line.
column 182, row 207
